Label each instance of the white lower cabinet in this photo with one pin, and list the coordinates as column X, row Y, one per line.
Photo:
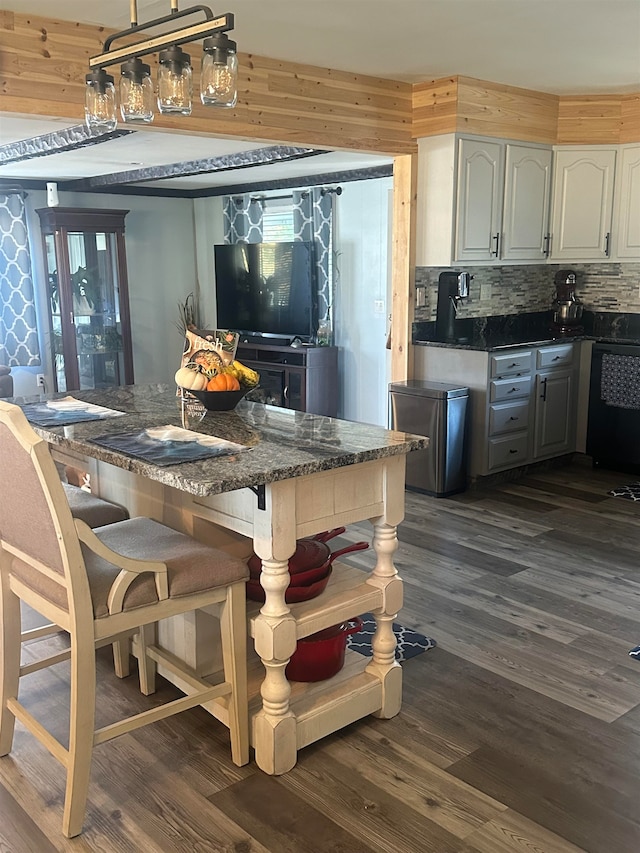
column 555, row 400
column 554, row 427
column 523, row 401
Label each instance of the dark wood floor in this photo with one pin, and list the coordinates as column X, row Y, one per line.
column 519, row 732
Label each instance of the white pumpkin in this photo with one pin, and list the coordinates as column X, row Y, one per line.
column 190, row 379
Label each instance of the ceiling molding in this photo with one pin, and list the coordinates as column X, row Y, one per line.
column 224, row 163
column 365, row 174
column 56, row 142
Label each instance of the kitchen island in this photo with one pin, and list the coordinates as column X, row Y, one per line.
column 299, row 474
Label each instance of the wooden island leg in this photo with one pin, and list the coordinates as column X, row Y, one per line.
column 274, row 727
column 385, row 543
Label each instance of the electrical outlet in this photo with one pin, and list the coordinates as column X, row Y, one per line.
column 40, row 380
column 378, row 306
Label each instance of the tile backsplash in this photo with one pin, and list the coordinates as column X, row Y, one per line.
column 521, row 289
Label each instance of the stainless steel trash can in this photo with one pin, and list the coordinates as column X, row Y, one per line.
column 439, row 411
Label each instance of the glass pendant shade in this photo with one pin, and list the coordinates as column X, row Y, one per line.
column 136, row 92
column 219, row 75
column 175, row 81
column 100, row 101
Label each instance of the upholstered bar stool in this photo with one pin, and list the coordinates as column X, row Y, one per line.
column 93, row 510
column 102, row 585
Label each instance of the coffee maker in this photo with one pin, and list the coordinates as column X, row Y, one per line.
column 453, row 287
column 567, row 310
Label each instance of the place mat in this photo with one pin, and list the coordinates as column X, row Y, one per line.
column 65, row 411
column 168, row 445
column 630, row 492
column 409, row 642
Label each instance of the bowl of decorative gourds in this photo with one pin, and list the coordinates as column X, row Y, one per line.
column 217, row 385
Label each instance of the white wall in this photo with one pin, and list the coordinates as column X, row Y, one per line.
column 363, row 242
column 161, row 265
column 169, row 245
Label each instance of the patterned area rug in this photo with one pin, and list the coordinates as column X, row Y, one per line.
column 410, row 643
column 630, row 492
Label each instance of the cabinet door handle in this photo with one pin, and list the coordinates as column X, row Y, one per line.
column 514, row 364
column 512, row 390
column 513, row 451
column 546, row 245
column 607, row 241
column 544, row 388
column 556, row 358
column 513, row 418
column 285, row 393
column 497, row 239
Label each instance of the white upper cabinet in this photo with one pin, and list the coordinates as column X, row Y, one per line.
column 482, row 200
column 627, row 207
column 527, row 190
column 479, row 200
column 582, row 203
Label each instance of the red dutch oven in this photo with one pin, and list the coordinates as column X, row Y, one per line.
column 321, row 655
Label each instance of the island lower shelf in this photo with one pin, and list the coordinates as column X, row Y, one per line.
column 323, row 707
column 348, row 594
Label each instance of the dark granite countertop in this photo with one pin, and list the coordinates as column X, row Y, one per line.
column 283, row 443
column 524, row 330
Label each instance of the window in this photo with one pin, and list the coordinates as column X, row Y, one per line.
column 277, row 220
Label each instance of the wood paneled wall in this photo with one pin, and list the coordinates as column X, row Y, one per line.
column 466, row 105
column 630, row 118
column 43, row 63
column 589, row 119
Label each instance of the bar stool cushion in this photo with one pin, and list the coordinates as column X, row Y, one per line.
column 93, row 510
column 188, row 566
column 188, row 563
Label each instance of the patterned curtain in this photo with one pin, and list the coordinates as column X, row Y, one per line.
column 242, row 219
column 313, row 220
column 18, row 333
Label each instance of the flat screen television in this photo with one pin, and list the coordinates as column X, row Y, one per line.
column 267, row 289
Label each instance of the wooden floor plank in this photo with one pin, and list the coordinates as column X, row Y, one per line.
column 519, row 732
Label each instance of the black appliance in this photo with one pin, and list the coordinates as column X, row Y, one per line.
column 567, row 309
column 613, row 426
column 267, row 290
column 453, row 287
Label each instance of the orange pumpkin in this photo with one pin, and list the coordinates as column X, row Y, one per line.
column 223, row 382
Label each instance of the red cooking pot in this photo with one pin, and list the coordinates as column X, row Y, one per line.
column 303, row 585
column 321, row 655
column 311, row 552
column 292, row 594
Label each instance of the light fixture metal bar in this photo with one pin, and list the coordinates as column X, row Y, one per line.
column 151, row 45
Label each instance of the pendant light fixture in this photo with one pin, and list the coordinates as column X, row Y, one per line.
column 100, row 101
column 175, row 81
column 136, row 91
column 219, row 84
column 219, row 74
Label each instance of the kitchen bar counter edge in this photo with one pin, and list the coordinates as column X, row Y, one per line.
column 281, row 443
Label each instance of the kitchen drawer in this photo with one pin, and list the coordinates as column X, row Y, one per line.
column 557, row 356
column 505, row 390
column 508, row 417
column 511, row 363
column 511, row 450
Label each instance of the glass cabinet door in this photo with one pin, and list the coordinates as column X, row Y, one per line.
column 88, row 303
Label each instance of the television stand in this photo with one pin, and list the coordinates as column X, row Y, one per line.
column 261, row 339
column 303, row 378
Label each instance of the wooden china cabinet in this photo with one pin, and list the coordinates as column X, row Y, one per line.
column 88, row 297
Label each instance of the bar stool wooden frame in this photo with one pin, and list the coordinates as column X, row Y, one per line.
column 49, row 573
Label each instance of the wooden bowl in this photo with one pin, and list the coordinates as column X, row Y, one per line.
column 219, row 401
